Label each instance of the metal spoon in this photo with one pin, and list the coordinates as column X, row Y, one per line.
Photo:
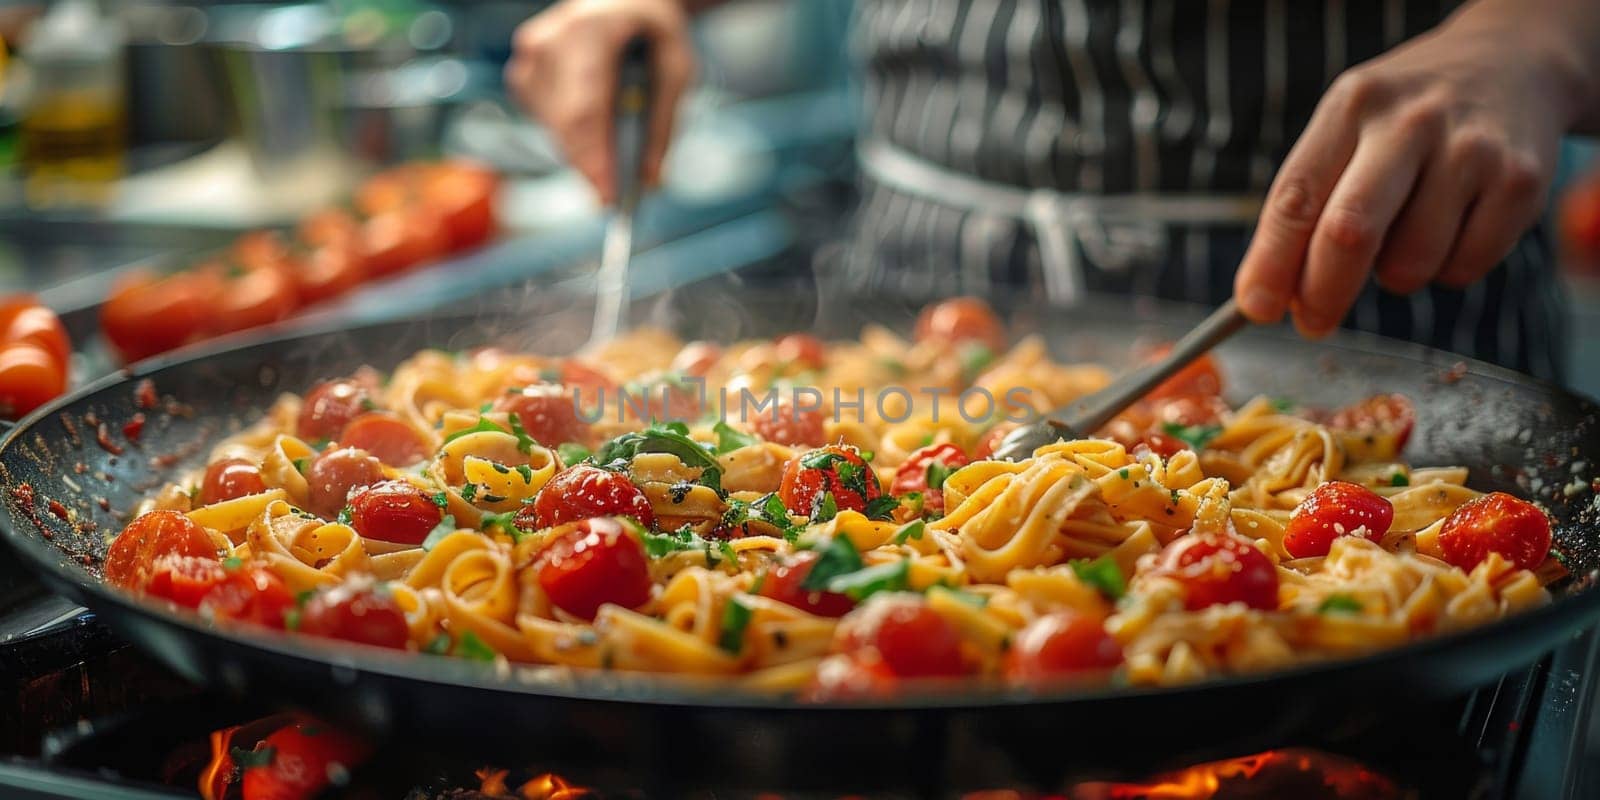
column 1088, row 414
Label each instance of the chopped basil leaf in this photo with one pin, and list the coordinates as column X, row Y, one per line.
column 291, row 619
column 525, row 443
column 825, row 508
column 368, row 405
column 441, row 498
column 485, row 425
column 247, row 759
column 893, row 366
column 1399, row 479
column 731, row 439
column 304, row 596
column 438, row 645
column 735, row 618
column 526, row 472
column 770, row 509
column 975, row 356
column 471, row 647
column 445, row 527
column 914, row 501
column 838, row 558
column 1196, row 436
column 853, row 477
column 1341, row 604
column 938, row 473
column 1101, row 573
column 486, row 407
column 345, row 515
column 863, row 583
column 726, row 549
column 910, row 530
column 1123, row 473
column 672, row 438
column 1282, row 404
column 505, row 521
column 868, row 455
column 970, row 598
column 882, row 507
column 302, row 464
column 572, row 452
column 469, row 491
column 657, row 545
column 232, row 563
column 821, row 459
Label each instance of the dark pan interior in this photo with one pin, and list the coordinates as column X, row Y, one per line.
column 65, row 495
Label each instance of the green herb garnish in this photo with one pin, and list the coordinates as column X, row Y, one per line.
column 673, row 438
column 572, row 452
column 345, row 515
column 825, row 508
column 302, row 464
column 882, row 507
column 938, row 473
column 445, row 527
column 247, row 759
column 838, row 558
column 1399, row 479
column 1101, row 573
column 438, row 645
column 525, row 443
column 730, row 439
column 735, row 618
column 441, row 498
column 1196, row 436
column 469, row 491
column 471, row 647
column 232, row 563
column 908, row 531
column 1339, row 604
column 864, row 583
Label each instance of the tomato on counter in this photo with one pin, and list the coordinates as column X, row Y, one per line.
column 148, row 314
column 35, row 355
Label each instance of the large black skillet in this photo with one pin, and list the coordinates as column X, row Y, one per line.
column 1514, row 433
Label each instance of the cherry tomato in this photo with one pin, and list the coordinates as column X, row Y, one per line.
column 846, row 677
column 1335, row 509
column 801, row 349
column 463, row 195
column 1217, row 569
column 835, row 469
column 1189, row 409
column 30, row 376
column 387, row 191
column 1164, row 445
column 329, row 407
column 356, row 612
column 914, row 474
column 696, row 358
column 961, row 319
column 185, row 580
column 148, row 537
column 1385, row 416
column 396, row 241
column 583, row 491
column 1496, row 523
column 991, row 440
column 27, row 321
column 589, row 382
column 145, row 314
column 394, row 511
column 250, row 593
column 547, row 414
column 1201, row 377
column 330, row 226
column 910, row 638
column 593, row 562
column 259, row 250
column 334, row 474
column 787, row 423
column 386, row 437
column 783, row 584
column 327, row 271
column 230, row 478
column 251, row 297
column 1059, row 644
column 305, row 758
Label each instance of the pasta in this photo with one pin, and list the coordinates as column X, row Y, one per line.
column 846, row 535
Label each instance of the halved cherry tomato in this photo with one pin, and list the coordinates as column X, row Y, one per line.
column 592, row 562
column 302, row 760
column 356, row 612
column 334, row 474
column 1496, row 523
column 583, row 491
column 394, row 511
column 30, row 376
column 546, row 413
column 846, row 677
column 327, row 271
column 1383, row 422
column 230, row 478
column 1060, row 644
column 463, row 194
column 252, row 297
column 146, row 314
column 787, row 423
column 1220, row 568
column 696, row 358
column 386, row 437
column 148, row 537
column 961, row 319
column 185, row 580
column 250, row 593
column 918, row 474
column 330, row 406
column 1200, row 377
column 24, row 320
column 1334, row 509
column 910, row 638
column 837, row 470
column 783, row 584
column 590, row 382
column 801, row 349
column 396, row 241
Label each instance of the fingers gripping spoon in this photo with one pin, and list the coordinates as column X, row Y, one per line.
column 633, row 111
column 1088, row 414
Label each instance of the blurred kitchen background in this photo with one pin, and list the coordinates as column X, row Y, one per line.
column 143, row 133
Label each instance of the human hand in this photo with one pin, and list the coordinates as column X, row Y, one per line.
column 1423, row 165
column 563, row 70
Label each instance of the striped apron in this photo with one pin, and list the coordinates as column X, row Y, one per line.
column 1125, row 146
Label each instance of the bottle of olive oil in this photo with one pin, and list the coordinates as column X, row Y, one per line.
column 72, row 125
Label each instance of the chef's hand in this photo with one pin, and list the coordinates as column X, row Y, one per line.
column 1423, row 165
column 563, row 70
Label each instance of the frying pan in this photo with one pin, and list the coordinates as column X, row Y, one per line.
column 1513, row 432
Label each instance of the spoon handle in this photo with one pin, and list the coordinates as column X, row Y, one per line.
column 1218, row 326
